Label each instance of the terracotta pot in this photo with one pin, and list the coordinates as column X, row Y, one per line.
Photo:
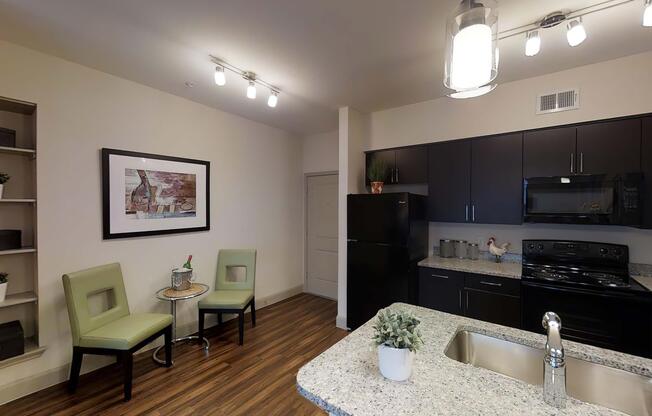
column 377, row 187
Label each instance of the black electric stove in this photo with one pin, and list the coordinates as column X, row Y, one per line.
column 597, row 266
column 588, row 285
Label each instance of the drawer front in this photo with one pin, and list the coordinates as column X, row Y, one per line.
column 441, row 290
column 502, row 285
column 492, row 307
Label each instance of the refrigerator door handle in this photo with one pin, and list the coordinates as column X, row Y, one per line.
column 402, row 202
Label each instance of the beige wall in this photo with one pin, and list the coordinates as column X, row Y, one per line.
column 608, row 89
column 256, row 193
column 320, row 152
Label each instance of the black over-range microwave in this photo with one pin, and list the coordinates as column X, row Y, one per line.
column 584, row 199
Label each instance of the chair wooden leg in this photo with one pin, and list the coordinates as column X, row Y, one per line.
column 200, row 333
column 128, row 368
column 168, row 346
column 75, row 368
column 241, row 327
column 219, row 318
column 253, row 312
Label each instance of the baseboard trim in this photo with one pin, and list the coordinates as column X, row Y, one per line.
column 40, row 381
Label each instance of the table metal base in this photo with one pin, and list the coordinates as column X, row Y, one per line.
column 176, row 340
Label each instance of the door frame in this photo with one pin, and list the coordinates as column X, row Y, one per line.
column 306, row 176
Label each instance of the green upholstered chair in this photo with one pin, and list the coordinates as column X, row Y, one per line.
column 231, row 295
column 115, row 331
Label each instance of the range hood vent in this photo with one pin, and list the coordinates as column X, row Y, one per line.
column 558, row 101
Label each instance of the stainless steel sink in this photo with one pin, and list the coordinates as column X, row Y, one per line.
column 589, row 382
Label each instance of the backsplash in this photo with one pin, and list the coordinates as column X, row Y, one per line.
column 487, row 256
column 639, row 241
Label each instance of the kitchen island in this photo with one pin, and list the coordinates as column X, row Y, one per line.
column 344, row 380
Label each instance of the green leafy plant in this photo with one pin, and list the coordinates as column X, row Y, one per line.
column 4, row 178
column 377, row 171
column 3, row 277
column 397, row 330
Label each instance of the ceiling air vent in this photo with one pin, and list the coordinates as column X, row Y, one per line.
column 558, row 101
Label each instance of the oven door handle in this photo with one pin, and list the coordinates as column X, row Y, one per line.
column 594, row 292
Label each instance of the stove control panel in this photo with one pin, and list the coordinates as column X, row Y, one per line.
column 576, row 250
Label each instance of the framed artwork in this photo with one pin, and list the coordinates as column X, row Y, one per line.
column 145, row 194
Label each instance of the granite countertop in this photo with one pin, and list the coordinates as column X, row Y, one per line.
column 345, row 381
column 506, row 269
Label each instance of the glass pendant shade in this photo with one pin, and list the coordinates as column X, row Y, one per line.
column 471, row 45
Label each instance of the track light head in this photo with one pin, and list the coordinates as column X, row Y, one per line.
column 273, row 99
column 251, row 90
column 220, row 76
column 532, row 43
column 576, row 33
column 647, row 14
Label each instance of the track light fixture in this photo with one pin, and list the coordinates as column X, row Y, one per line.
column 647, row 14
column 575, row 31
column 252, row 81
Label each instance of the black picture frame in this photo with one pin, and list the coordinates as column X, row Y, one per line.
column 106, row 187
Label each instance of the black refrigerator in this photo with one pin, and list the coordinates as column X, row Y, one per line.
column 387, row 236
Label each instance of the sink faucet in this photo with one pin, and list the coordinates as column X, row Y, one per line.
column 554, row 364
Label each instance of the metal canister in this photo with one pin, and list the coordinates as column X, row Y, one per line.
column 446, row 248
column 181, row 279
column 460, row 249
column 473, row 251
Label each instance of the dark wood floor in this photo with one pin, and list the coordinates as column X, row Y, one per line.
column 255, row 379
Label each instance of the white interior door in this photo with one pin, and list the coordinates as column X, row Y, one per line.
column 321, row 235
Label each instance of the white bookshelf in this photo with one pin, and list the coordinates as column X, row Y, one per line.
column 18, row 211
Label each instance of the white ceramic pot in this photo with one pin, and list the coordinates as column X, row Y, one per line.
column 395, row 363
column 3, row 291
column 2, row 187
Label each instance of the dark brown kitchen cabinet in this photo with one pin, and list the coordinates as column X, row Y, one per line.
column 496, row 179
column 449, row 181
column 610, row 147
column 405, row 166
column 492, row 299
column 389, row 157
column 412, row 165
column 441, row 290
column 646, row 159
column 549, row 152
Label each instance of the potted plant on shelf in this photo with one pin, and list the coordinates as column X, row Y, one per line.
column 3, row 286
column 377, row 173
column 4, row 178
column 398, row 338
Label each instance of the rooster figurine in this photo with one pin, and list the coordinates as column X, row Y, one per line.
column 496, row 250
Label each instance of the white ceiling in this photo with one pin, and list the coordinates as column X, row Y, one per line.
column 369, row 54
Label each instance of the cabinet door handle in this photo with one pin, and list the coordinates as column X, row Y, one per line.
column 441, row 276
column 572, row 161
column 466, row 209
column 396, row 175
column 473, row 212
column 391, row 180
column 460, row 293
column 467, row 301
column 581, row 162
column 482, row 282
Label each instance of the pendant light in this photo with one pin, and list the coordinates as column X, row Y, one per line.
column 471, row 46
column 647, row 14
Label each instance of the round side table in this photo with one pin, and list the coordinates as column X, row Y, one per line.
column 172, row 296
